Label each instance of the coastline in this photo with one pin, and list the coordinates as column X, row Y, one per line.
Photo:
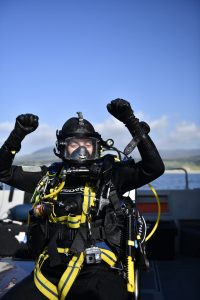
column 177, row 171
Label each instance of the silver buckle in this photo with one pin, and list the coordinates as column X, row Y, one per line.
column 92, row 255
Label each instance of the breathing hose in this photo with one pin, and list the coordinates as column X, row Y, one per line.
column 56, row 191
column 158, row 215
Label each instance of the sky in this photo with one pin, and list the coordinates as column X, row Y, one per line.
column 58, row 57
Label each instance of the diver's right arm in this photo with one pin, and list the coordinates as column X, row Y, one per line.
column 17, row 176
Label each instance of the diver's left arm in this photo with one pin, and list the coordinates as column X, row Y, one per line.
column 130, row 175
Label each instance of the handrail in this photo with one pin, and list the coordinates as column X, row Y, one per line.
column 186, row 175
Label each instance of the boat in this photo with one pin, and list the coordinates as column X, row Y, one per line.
column 173, row 250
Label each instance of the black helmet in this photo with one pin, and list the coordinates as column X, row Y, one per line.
column 80, row 134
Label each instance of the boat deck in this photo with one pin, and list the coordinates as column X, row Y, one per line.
column 172, row 280
column 176, row 279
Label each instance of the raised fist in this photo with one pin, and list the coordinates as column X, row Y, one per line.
column 25, row 124
column 120, row 109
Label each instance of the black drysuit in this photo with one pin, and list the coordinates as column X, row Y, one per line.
column 98, row 281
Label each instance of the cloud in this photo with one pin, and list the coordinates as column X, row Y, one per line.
column 114, row 129
column 186, row 135
column 183, row 135
column 159, row 124
column 6, row 127
column 44, row 136
column 166, row 135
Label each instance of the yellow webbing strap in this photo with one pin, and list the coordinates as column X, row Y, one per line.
column 53, row 217
column 70, row 275
column 45, row 286
column 42, row 283
column 74, row 221
column 108, row 256
column 71, row 221
column 88, row 201
column 130, row 279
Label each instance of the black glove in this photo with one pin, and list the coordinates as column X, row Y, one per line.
column 121, row 110
column 24, row 125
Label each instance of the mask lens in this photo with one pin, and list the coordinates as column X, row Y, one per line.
column 81, row 149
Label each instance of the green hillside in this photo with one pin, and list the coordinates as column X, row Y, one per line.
column 188, row 165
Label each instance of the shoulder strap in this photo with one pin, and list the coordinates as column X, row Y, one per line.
column 114, row 199
column 105, row 173
column 105, row 179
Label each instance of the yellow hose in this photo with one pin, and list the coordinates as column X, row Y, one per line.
column 56, row 191
column 159, row 212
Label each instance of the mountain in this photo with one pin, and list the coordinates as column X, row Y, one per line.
column 179, row 153
column 189, row 159
column 42, row 156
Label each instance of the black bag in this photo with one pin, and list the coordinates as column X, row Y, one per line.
column 114, row 227
column 37, row 235
column 13, row 239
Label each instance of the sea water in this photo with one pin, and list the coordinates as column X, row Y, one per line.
column 174, row 181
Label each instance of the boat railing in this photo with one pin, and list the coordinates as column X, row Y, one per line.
column 186, row 175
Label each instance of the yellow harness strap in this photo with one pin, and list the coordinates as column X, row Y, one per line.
column 70, row 221
column 74, row 266
column 42, row 283
column 54, row 292
column 88, row 201
column 108, row 256
column 70, row 275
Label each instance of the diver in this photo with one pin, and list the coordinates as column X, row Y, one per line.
column 80, row 222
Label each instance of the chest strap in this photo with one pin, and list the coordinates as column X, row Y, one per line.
column 74, row 221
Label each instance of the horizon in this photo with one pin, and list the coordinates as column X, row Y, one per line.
column 50, row 148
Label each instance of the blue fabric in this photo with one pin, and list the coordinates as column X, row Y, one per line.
column 54, row 167
column 20, row 212
column 103, row 245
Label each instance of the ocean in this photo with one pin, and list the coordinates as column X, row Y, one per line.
column 175, row 181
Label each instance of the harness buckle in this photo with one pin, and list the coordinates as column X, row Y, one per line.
column 118, row 266
column 92, row 255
